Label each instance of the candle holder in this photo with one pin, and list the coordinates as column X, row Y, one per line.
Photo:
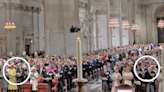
column 80, row 83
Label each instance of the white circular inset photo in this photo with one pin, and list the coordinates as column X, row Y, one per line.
column 146, row 80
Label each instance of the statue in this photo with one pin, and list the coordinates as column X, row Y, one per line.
column 86, row 23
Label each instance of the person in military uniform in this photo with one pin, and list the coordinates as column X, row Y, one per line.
column 90, row 69
column 105, row 79
column 47, row 77
column 69, row 73
column 75, row 69
column 96, row 68
column 84, row 68
column 99, row 67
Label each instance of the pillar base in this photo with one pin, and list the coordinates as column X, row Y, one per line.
column 80, row 83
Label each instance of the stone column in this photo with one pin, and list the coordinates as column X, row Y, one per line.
column 109, row 33
column 60, row 15
column 130, row 8
column 137, row 17
column 120, row 21
column 35, row 29
column 46, row 26
column 11, row 35
column 19, row 28
column 7, row 13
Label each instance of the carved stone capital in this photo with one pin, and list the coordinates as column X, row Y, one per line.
column 19, row 7
column 145, row 5
column 82, row 5
column 114, row 15
column 100, row 12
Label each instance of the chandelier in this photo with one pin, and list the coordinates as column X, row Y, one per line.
column 113, row 23
column 134, row 27
column 125, row 25
column 10, row 26
column 160, row 24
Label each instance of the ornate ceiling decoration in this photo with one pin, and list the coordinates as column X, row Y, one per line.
column 20, row 7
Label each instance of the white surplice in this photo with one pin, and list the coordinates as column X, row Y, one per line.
column 34, row 81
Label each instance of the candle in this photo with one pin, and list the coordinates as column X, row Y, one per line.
column 79, row 59
column 11, row 53
column 24, row 53
column 162, row 56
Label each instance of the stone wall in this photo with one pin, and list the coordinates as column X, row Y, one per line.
column 26, row 15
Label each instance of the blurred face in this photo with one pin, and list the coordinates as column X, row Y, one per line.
column 127, row 68
column 34, row 70
column 116, row 69
column 72, row 64
column 59, row 66
column 142, row 65
column 62, row 62
column 149, row 70
column 109, row 64
column 47, row 68
column 53, row 65
column 19, row 65
column 104, row 67
column 41, row 64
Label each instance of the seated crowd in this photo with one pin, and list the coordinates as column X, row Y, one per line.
column 114, row 66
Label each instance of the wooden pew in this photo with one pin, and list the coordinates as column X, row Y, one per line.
column 42, row 87
column 26, row 87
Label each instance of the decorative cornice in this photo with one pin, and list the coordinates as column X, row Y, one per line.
column 145, row 6
column 114, row 15
column 100, row 12
column 82, row 5
column 20, row 7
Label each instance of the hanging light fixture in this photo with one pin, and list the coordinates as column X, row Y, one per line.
column 126, row 25
column 160, row 24
column 113, row 23
column 134, row 27
column 10, row 26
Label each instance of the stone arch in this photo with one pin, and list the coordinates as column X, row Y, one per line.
column 155, row 10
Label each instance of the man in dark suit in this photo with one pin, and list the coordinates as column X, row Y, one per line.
column 105, row 79
column 149, row 75
column 47, row 77
column 60, row 83
column 41, row 69
column 20, row 75
column 137, row 82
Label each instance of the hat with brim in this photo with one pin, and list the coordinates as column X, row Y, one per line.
column 33, row 68
column 11, row 65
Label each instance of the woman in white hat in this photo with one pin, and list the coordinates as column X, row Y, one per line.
column 33, row 79
column 12, row 78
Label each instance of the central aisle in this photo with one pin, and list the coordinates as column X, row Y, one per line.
column 95, row 87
